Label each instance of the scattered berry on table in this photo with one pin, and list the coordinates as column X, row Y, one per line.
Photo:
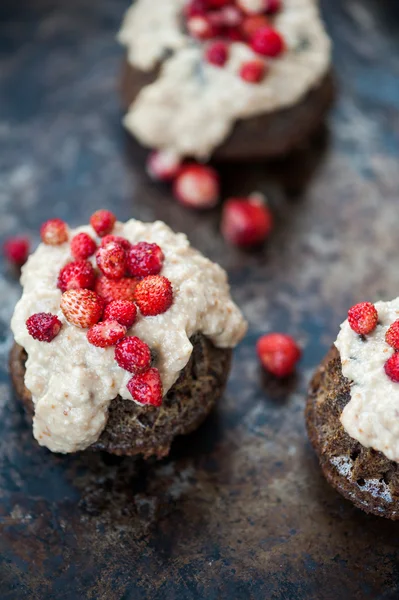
column 106, row 333
column 82, row 246
column 82, row 308
column 154, row 295
column 43, row 327
column 54, row 232
column 197, row 186
column 163, row 165
column 103, row 222
column 246, row 222
column 111, row 260
column 146, row 388
column 77, row 275
column 278, row 353
column 123, row 311
column 133, row 355
column 363, row 318
column 145, row 259
column 16, row 250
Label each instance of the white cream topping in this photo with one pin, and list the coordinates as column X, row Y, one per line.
column 192, row 106
column 72, row 382
column 372, row 415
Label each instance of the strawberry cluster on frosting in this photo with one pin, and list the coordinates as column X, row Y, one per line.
column 220, row 22
column 106, row 294
column 363, row 319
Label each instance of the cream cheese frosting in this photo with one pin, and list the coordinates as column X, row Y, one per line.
column 372, row 415
column 192, row 105
column 72, row 382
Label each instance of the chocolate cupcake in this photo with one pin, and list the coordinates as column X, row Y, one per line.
column 352, row 410
column 233, row 80
column 123, row 335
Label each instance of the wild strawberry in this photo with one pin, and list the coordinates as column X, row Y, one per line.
column 391, row 367
column 154, row 295
column 278, row 353
column 246, row 222
column 231, row 16
column 77, row 275
column 103, row 222
column 253, row 71
column 163, row 165
column 112, row 289
column 106, row 333
column 82, row 308
column 111, row 260
column 363, row 318
column 197, row 186
column 82, row 246
column 252, row 7
column 392, row 335
column 201, row 28
column 54, row 232
column 196, row 8
column 273, row 6
column 145, row 259
column 126, row 245
column 43, row 326
column 146, row 388
column 133, row 355
column 252, row 24
column 268, row 42
column 16, row 250
column 217, row 53
column 123, row 311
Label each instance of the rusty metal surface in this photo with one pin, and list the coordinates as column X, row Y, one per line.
column 239, row 509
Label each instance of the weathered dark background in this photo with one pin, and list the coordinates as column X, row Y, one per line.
column 240, row 509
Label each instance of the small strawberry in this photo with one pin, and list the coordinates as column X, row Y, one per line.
column 253, row 71
column 133, row 355
column 154, row 295
column 231, row 16
column 54, row 232
column 268, row 42
column 145, row 259
column 82, row 246
column 123, row 311
column 111, row 260
column 126, row 245
column 363, row 318
column 392, row 335
column 278, row 353
column 77, row 275
column 252, row 24
column 163, row 165
column 103, row 222
column 146, row 388
column 201, row 28
column 16, row 250
column 112, row 289
column 391, row 367
column 217, row 53
column 246, row 222
column 106, row 333
column 43, row 326
column 82, row 308
column 197, row 186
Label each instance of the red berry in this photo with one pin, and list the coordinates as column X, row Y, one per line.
column 106, row 333
column 217, row 53
column 235, row 34
column 392, row 335
column 77, row 275
column 154, row 295
column 195, row 8
column 82, row 246
column 133, row 355
column 82, row 308
column 16, row 250
column 126, row 245
column 112, row 289
column 246, row 222
column 54, row 232
column 253, row 71
column 268, row 42
column 197, row 186
column 146, row 388
column 391, row 367
column 103, row 222
column 278, row 353
column 111, row 260
column 145, row 259
column 201, row 28
column 252, row 24
column 123, row 311
column 43, row 326
column 363, row 318
column 231, row 16
column 163, row 165
column 273, row 6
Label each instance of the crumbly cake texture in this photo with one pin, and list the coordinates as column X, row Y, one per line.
column 364, row 476
column 146, row 430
